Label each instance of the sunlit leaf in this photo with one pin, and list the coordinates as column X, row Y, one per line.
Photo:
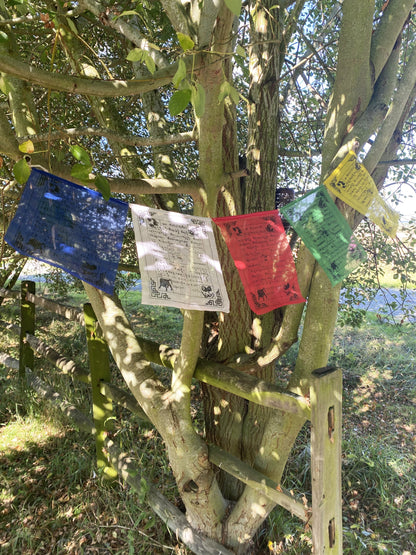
column 148, row 60
column 180, row 73
column 227, row 89
column 240, row 51
column 135, row 55
column 103, row 186
column 234, row 6
column 140, row 55
column 72, row 25
column 186, row 42
column 81, row 172
column 80, row 154
column 21, row 171
column 27, row 147
column 126, row 13
column 4, row 38
column 5, row 86
column 198, row 100
column 179, row 101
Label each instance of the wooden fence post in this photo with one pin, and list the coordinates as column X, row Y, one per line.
column 326, row 431
column 102, row 407
column 27, row 325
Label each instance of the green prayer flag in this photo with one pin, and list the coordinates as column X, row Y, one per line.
column 326, row 233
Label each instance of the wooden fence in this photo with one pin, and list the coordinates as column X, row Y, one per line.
column 324, row 410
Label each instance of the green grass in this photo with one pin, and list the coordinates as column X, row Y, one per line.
column 53, row 501
column 392, row 280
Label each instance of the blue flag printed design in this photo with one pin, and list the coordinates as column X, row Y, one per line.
column 70, row 227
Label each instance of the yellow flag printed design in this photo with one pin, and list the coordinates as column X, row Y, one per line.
column 352, row 183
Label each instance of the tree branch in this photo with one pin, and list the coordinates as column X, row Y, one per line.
column 401, row 97
column 126, row 29
column 387, row 32
column 83, row 85
column 130, row 140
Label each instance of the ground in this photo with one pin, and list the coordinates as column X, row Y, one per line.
column 53, row 501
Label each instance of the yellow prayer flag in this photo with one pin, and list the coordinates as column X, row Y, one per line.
column 352, row 183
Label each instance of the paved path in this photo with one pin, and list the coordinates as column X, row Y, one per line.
column 384, row 297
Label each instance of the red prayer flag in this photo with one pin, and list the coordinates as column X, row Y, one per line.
column 261, row 252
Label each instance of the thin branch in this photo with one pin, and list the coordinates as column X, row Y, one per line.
column 403, row 162
column 111, row 135
column 124, row 28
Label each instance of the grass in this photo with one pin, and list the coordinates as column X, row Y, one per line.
column 53, row 501
column 390, row 279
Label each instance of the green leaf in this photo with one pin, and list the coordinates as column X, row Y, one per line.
column 103, row 186
column 81, row 172
column 21, row 171
column 227, row 89
column 198, row 100
column 179, row 101
column 180, row 73
column 72, row 26
column 126, row 13
column 140, row 55
column 135, row 55
column 240, row 51
column 27, row 147
column 234, row 6
column 5, row 86
column 4, row 38
column 235, row 95
column 80, row 154
column 148, row 60
column 186, row 42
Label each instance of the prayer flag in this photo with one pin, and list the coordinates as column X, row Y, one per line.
column 352, row 183
column 261, row 252
column 70, row 227
column 178, row 260
column 326, row 233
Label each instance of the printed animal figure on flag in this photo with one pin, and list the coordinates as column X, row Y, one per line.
column 166, row 283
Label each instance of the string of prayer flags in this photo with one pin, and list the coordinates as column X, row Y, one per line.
column 70, row 227
column 326, row 233
column 262, row 255
column 352, row 183
column 178, row 260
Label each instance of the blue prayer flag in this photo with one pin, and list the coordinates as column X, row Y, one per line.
column 70, row 227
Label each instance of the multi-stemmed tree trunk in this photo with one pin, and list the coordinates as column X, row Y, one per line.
column 367, row 106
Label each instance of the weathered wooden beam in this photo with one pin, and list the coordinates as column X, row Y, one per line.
column 264, row 485
column 81, row 421
column 9, row 294
column 251, row 388
column 102, row 407
column 123, row 398
column 27, row 325
column 171, row 515
column 232, row 380
column 8, row 361
column 326, row 430
column 10, row 327
column 64, row 364
column 69, row 312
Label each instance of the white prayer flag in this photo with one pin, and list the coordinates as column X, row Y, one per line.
column 178, row 260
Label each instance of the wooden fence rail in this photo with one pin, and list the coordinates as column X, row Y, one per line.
column 323, row 410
